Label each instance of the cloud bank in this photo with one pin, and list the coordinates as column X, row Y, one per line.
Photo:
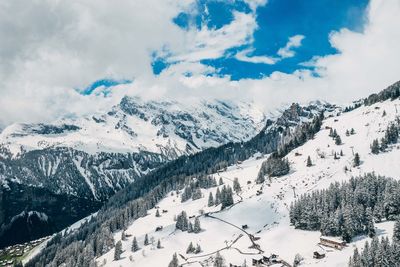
column 50, row 48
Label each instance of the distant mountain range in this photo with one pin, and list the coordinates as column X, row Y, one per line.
column 88, row 159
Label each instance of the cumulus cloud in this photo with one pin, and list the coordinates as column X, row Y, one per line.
column 49, row 48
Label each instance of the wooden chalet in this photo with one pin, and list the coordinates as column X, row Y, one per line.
column 332, row 242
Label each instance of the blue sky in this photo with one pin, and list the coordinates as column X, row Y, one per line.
column 277, row 21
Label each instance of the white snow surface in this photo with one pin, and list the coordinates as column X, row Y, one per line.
column 267, row 214
column 137, row 125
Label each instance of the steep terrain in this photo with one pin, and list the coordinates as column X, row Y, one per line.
column 89, row 159
column 264, row 208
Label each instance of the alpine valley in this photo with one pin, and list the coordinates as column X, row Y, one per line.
column 213, row 183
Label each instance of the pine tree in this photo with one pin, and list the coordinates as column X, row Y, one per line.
column 198, row 249
column 370, row 222
column 356, row 161
column 197, row 227
column 356, row 258
column 190, row 248
column 159, row 244
column 210, row 200
column 236, row 185
column 347, row 133
column 158, row 213
column 118, row 251
column 217, row 197
column 146, row 240
column 341, row 153
column 174, row 262
column 309, row 162
column 396, row 232
column 375, row 147
column 190, row 227
column 219, row 261
column 352, row 131
column 123, row 235
column 338, row 140
column 182, row 221
column 221, row 182
column 135, row 246
column 197, row 194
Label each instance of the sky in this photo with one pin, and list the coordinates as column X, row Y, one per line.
column 72, row 58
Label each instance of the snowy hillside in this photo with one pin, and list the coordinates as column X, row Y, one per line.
column 264, row 208
column 167, row 128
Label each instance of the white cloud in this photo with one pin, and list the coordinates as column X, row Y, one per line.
column 294, row 42
column 212, row 43
column 244, row 55
column 49, row 47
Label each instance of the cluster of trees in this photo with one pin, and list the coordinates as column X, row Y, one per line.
column 145, row 192
column 274, row 166
column 192, row 190
column 379, row 253
column 350, row 132
column 392, row 92
column 333, row 133
column 391, row 137
column 224, row 196
column 184, row 224
column 193, row 249
column 348, row 209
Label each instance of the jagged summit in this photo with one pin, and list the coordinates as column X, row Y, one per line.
column 169, row 128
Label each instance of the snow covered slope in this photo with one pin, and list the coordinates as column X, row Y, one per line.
column 264, row 208
column 168, row 128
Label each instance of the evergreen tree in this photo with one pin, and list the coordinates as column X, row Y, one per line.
column 197, row 227
column 236, row 185
column 217, row 197
column 210, row 200
column 182, row 222
column 198, row 249
column 123, row 235
column 190, row 248
column 196, row 194
column 356, row 161
column 309, row 162
column 297, row 260
column 190, row 227
column 396, row 232
column 135, row 246
column 158, row 213
column 174, row 262
column 338, row 140
column 341, row 153
column 118, row 251
column 347, row 133
column 146, row 240
column 219, row 261
column 370, row 223
column 375, row 147
column 221, row 182
column 352, row 131
column 159, row 244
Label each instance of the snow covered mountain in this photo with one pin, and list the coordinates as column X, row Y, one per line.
column 88, row 159
column 168, row 128
column 257, row 222
column 260, row 214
